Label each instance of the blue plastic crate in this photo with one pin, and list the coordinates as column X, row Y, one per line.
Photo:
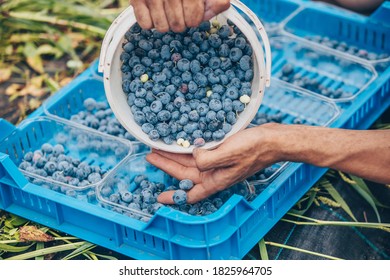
column 273, row 13
column 228, row 233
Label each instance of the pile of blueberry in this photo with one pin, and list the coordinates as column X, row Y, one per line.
column 99, row 116
column 289, row 74
column 187, row 87
column 345, row 48
column 137, row 197
column 50, row 162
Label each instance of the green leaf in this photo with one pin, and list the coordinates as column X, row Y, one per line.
column 29, row 50
column 18, row 221
column 302, row 250
column 40, row 245
column 337, row 197
column 368, row 198
column 312, row 196
column 46, row 251
column 14, row 249
column 106, row 256
column 82, row 249
column 263, row 250
column 360, row 182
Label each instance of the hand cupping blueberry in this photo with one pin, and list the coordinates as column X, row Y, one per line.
column 187, row 88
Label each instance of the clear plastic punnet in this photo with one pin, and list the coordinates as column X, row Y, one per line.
column 110, row 65
column 132, row 188
column 32, row 147
column 73, row 105
column 325, row 73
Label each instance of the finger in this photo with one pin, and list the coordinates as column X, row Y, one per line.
column 197, row 193
column 206, row 160
column 142, row 14
column 173, row 168
column 215, row 7
column 193, row 12
column 184, row 159
column 175, row 16
column 157, row 12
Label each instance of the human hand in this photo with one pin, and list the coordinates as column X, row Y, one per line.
column 239, row 157
column 176, row 15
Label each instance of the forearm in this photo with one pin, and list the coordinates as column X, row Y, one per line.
column 362, row 153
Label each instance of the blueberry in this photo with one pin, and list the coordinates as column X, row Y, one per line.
column 193, row 49
column 226, row 127
column 215, row 41
column 159, row 77
column 126, row 196
column 183, row 64
column 200, row 79
column 145, row 45
column 163, row 129
column 186, row 184
column 154, row 54
column 50, row 167
column 204, row 26
column 47, row 148
column 231, row 118
column 135, row 28
column 134, row 205
column 203, row 58
column 245, row 62
column 24, row 165
column 238, row 106
column 215, row 105
column 94, row 178
column 287, row 69
column 28, row 156
column 154, row 135
column 169, row 140
column 176, row 46
column 235, row 54
column 58, row 149
column 195, row 66
column 240, row 43
column 179, row 197
column 186, row 77
column 249, row 74
column 198, row 37
column 165, row 52
column 175, row 57
column 164, row 97
column 139, row 118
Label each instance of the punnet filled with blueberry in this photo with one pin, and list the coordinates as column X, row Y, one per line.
column 133, row 187
column 63, row 157
column 327, row 74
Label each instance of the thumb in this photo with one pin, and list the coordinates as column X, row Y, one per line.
column 214, row 7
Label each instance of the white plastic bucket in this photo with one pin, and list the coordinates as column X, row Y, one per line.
column 110, row 65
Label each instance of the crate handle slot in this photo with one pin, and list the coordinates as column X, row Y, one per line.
column 6, row 128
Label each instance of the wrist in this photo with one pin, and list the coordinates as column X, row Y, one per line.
column 299, row 143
